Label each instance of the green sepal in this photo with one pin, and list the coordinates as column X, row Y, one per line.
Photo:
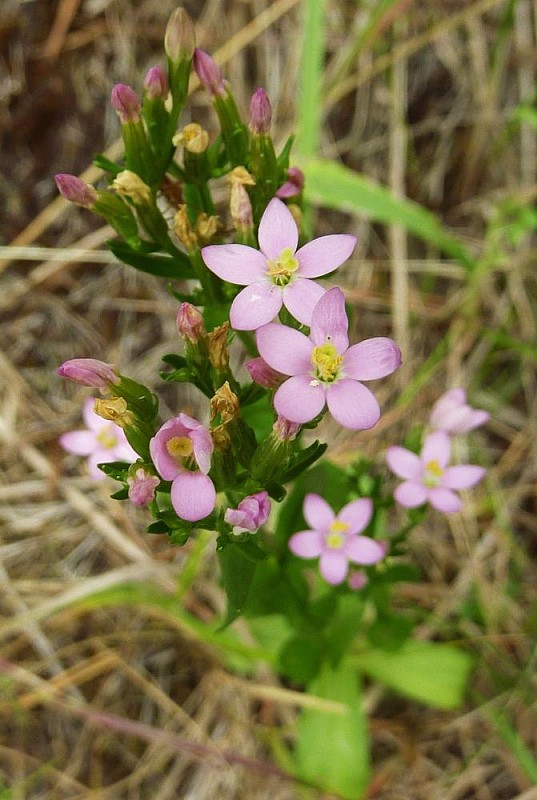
column 175, row 360
column 159, row 526
column 182, row 375
column 283, row 158
column 121, row 494
column 104, row 163
column 178, row 266
column 301, row 461
column 115, row 469
column 180, row 536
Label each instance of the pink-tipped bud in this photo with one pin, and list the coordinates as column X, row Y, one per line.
column 260, row 112
column 156, row 84
column 126, row 103
column 252, row 512
column 293, row 185
column 262, row 374
column 209, row 73
column 89, row 372
column 357, row 580
column 180, row 36
column 284, row 430
column 190, row 323
column 142, row 486
column 75, row 190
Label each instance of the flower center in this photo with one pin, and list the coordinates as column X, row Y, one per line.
column 326, row 360
column 179, row 447
column 335, row 537
column 107, row 438
column 282, row 268
column 433, row 473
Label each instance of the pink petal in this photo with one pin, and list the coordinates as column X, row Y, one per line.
column 436, row 447
column 123, row 452
column 284, row 349
column 362, row 550
column 462, row 476
column 411, row 494
column 92, row 420
column 300, row 298
column 81, row 443
column 448, row 402
column 474, row 419
column 352, row 405
column 298, row 400
column 329, row 321
column 277, row 229
column 306, row 544
column 325, row 254
column 404, row 463
column 333, row 566
column 193, row 495
column 236, row 263
column 357, row 514
column 202, row 445
column 372, row 359
column 256, row 305
column 317, row 512
column 97, row 457
column 445, row 500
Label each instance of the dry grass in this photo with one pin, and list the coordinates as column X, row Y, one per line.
column 89, row 688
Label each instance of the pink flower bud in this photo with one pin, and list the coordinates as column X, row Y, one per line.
column 89, row 372
column 285, row 430
column 293, row 185
column 251, row 513
column 156, row 84
column 209, row 73
column 260, row 112
column 190, row 323
column 75, row 190
column 357, row 580
column 142, row 486
column 180, row 37
column 126, row 103
column 262, row 374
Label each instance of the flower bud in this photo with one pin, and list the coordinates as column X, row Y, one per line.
column 115, row 410
column 252, row 512
column 284, row 430
column 75, row 190
column 262, row 374
column 156, row 84
column 190, row 323
column 142, row 486
column 129, row 184
column 357, row 580
column 260, row 112
column 209, row 73
column 179, row 37
column 89, row 372
column 293, row 185
column 125, row 101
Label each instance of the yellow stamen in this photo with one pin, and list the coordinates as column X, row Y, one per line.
column 179, row 447
column 339, row 527
column 433, row 473
column 326, row 360
column 334, row 541
column 106, row 438
column 280, row 269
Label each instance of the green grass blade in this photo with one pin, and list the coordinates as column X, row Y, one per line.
column 310, row 79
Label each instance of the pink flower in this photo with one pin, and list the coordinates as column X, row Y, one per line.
column 278, row 273
column 334, row 538
column 89, row 372
column 102, row 441
column 142, row 486
column 181, row 451
column 293, row 185
column 251, row 513
column 263, row 375
column 452, row 414
column 428, row 477
column 324, row 369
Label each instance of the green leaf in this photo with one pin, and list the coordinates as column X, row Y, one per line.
column 333, row 749
column 331, row 184
column 300, row 658
column 178, row 267
column 115, row 469
column 238, row 571
column 432, row 673
column 299, row 462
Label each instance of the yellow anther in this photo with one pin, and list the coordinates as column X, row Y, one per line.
column 106, row 438
column 339, row 527
column 433, row 473
column 179, row 447
column 326, row 361
column 334, row 541
column 280, row 269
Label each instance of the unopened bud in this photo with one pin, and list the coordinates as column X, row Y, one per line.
column 190, row 323
column 226, row 404
column 180, row 36
column 357, row 580
column 260, row 112
column 156, row 84
column 193, row 138
column 125, row 101
column 293, row 185
column 89, row 372
column 75, row 190
column 115, row 410
column 284, row 430
column 218, row 352
column 263, row 374
column 142, row 486
column 129, row 184
column 209, row 73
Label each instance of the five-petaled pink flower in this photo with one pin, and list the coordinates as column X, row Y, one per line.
column 452, row 414
column 181, row 451
column 324, row 369
column 335, row 538
column 278, row 273
column 101, row 441
column 252, row 512
column 428, row 478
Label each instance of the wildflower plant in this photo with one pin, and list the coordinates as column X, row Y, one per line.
column 298, row 538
